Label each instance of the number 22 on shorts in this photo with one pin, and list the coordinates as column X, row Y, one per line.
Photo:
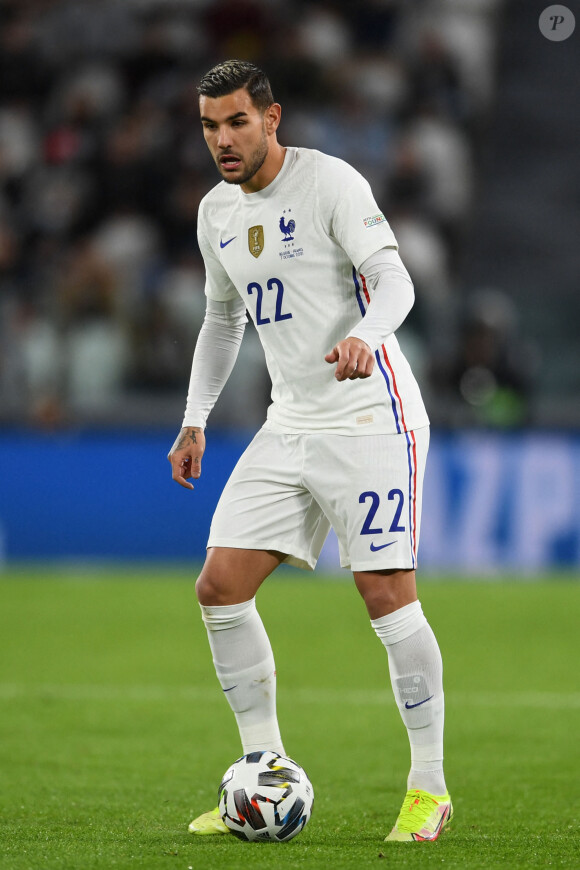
column 395, row 495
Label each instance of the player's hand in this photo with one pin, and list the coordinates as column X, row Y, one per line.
column 354, row 359
column 185, row 455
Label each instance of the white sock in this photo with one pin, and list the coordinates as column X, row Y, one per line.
column 417, row 678
column 245, row 667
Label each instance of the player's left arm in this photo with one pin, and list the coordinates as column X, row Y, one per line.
column 392, row 299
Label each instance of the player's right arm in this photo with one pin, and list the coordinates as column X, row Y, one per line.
column 216, row 351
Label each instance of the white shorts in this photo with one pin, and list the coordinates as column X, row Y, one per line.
column 287, row 490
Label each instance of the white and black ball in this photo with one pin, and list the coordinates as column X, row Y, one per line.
column 265, row 796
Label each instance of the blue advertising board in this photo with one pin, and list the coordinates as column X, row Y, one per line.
column 492, row 502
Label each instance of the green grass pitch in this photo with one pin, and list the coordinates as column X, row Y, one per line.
column 114, row 732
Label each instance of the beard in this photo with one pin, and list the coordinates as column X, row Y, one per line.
column 255, row 163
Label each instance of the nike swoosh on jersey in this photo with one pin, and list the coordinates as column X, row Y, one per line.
column 418, row 704
column 223, row 244
column 381, row 546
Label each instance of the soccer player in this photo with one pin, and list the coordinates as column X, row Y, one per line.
column 295, row 238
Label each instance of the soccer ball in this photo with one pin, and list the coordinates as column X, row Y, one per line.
column 265, row 796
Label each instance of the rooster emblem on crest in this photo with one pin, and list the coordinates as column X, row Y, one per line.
column 287, row 229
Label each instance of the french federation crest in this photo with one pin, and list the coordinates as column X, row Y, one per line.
column 287, row 229
column 256, row 240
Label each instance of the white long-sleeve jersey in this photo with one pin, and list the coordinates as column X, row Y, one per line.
column 292, row 253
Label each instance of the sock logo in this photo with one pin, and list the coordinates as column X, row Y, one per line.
column 409, row 706
column 414, row 691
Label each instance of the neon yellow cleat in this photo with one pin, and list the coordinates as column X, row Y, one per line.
column 423, row 816
column 208, row 823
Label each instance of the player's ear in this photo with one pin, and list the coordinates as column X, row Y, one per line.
column 272, row 117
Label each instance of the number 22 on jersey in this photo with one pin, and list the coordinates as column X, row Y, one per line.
column 272, row 284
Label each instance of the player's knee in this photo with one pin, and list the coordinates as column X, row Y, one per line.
column 381, row 601
column 209, row 590
column 386, row 592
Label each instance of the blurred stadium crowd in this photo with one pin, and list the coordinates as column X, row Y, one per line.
column 103, row 165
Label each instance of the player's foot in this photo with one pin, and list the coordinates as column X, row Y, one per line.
column 423, row 816
column 208, row 823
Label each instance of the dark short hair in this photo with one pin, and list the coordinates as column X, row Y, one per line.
column 229, row 76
